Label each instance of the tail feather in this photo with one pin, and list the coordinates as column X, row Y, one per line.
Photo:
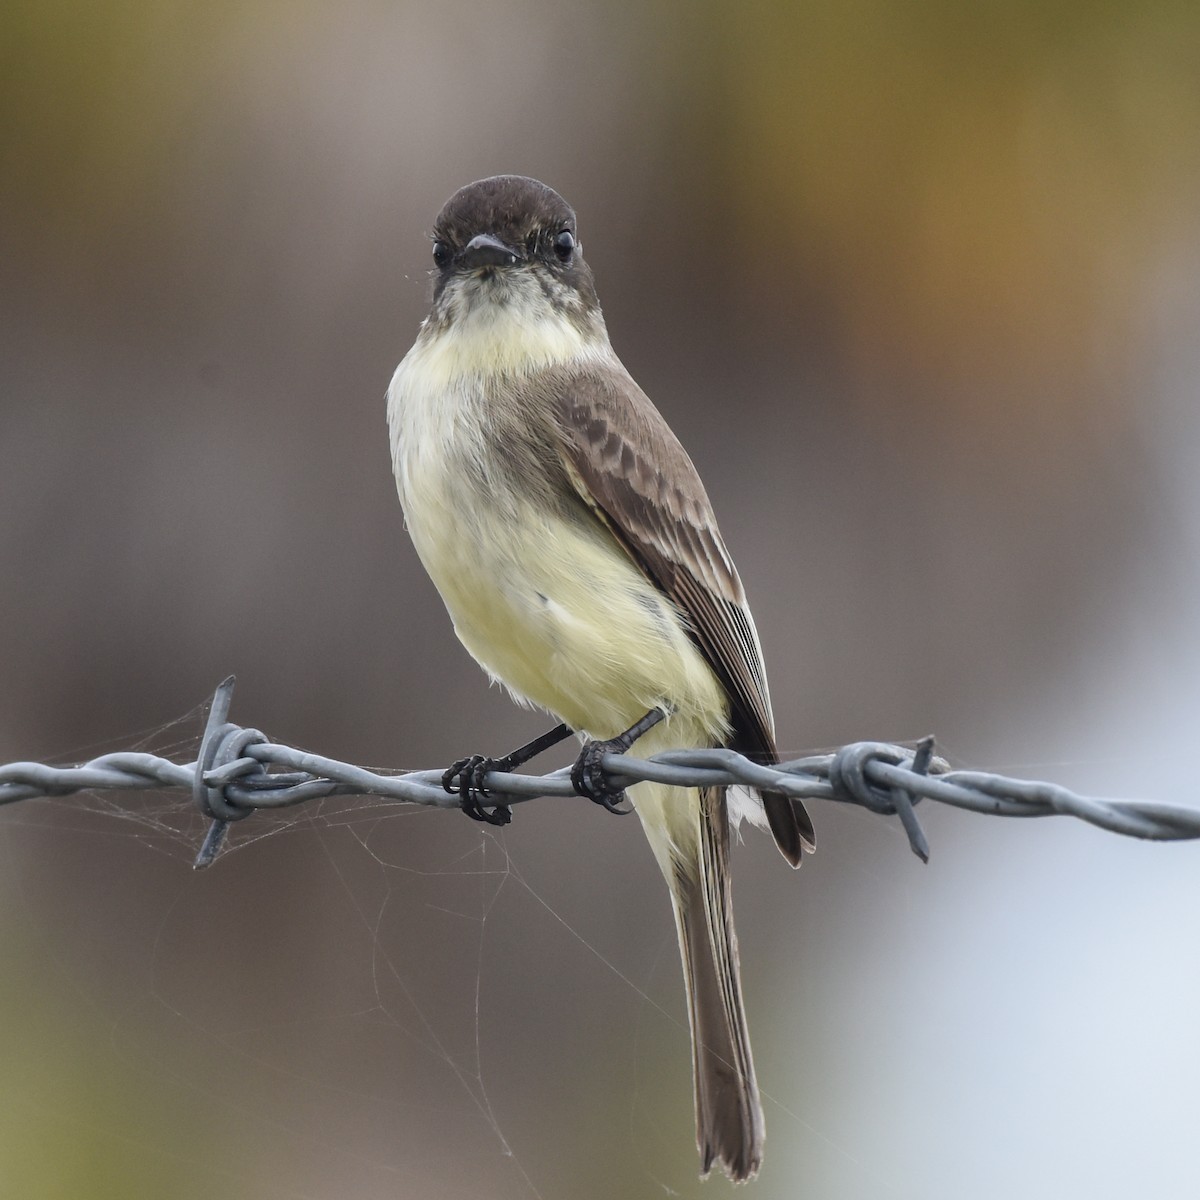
column 729, row 1118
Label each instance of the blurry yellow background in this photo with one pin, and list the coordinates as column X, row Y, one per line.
column 917, row 284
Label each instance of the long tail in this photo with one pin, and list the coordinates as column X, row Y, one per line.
column 729, row 1116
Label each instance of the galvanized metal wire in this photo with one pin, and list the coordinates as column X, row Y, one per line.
column 239, row 770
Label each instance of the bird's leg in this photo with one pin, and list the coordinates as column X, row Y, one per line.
column 465, row 778
column 587, row 775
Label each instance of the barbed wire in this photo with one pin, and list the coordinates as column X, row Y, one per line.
column 239, row 770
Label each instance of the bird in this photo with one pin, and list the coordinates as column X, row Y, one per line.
column 576, row 550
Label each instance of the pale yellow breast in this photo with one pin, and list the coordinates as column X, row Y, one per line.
column 550, row 605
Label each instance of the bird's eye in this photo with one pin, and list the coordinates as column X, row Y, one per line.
column 441, row 253
column 564, row 245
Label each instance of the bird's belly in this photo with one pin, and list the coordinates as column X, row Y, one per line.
column 555, row 609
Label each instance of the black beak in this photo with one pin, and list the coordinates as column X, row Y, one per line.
column 483, row 250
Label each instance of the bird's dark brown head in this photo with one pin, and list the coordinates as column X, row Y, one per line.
column 512, row 224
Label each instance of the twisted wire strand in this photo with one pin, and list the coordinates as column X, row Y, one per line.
column 239, row 771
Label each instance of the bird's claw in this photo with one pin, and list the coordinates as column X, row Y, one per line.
column 588, row 777
column 465, row 779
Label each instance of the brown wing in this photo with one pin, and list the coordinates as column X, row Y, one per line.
column 631, row 469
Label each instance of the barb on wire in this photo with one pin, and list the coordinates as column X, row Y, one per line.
column 239, row 770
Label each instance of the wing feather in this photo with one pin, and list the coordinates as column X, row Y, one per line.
column 633, row 472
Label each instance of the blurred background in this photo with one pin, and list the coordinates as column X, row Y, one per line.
column 916, row 283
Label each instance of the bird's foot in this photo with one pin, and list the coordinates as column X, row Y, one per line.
column 587, row 775
column 465, row 779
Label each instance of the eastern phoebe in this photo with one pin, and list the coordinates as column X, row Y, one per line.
column 577, row 553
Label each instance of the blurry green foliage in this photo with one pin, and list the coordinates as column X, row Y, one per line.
column 963, row 171
column 78, row 1121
